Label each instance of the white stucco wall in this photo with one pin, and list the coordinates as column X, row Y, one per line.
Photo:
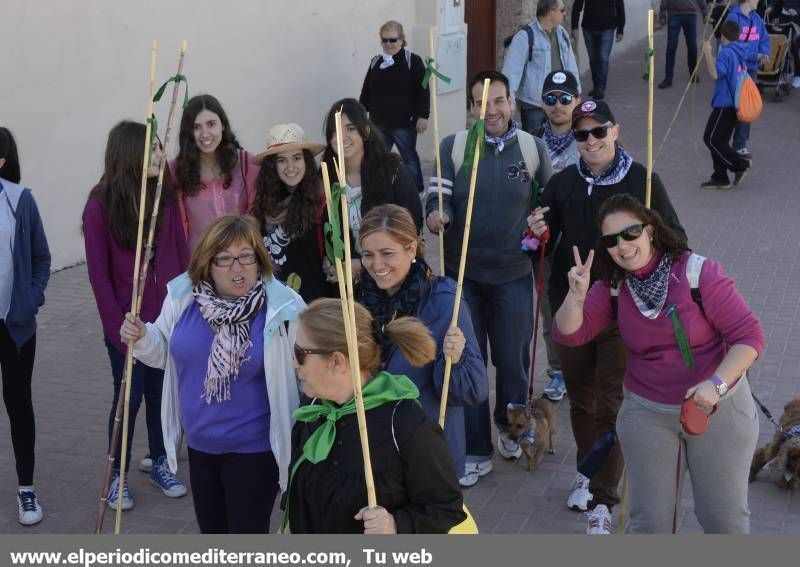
column 71, row 70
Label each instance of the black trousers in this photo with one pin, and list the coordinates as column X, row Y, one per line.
column 717, row 138
column 16, row 365
column 233, row 493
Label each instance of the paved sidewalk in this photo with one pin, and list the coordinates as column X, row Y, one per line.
column 753, row 230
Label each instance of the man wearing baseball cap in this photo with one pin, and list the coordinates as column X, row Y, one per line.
column 560, row 96
column 593, row 373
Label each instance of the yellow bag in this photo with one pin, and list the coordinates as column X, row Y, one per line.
column 467, row 527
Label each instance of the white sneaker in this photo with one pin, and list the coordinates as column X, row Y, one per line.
column 579, row 495
column 507, row 447
column 473, row 472
column 146, row 464
column 796, row 82
column 599, row 521
column 30, row 512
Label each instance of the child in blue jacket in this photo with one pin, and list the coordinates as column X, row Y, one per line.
column 725, row 70
column 24, row 271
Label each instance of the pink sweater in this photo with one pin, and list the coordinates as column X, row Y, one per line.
column 655, row 368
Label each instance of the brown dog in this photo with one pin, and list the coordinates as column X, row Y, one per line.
column 533, row 432
column 784, row 451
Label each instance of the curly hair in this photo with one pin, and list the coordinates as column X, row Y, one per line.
column 187, row 164
column 665, row 240
column 305, row 201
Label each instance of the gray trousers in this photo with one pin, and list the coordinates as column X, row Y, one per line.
column 718, row 462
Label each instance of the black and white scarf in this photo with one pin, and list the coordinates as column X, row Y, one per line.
column 230, row 321
column 557, row 144
column 614, row 173
column 650, row 293
column 500, row 141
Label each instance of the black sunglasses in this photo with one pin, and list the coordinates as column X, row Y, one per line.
column 551, row 99
column 629, row 234
column 300, row 353
column 598, row 133
column 390, row 39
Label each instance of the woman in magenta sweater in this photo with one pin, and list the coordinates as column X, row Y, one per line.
column 110, row 222
column 683, row 343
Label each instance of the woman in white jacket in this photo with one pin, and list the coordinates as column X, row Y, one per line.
column 229, row 383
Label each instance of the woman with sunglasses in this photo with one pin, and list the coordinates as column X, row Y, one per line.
column 375, row 176
column 110, row 223
column 213, row 175
column 229, row 384
column 395, row 98
column 684, row 342
column 415, row 479
column 593, row 372
column 396, row 282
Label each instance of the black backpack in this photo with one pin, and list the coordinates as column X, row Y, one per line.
column 529, row 31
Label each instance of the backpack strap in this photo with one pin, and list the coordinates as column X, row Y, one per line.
column 615, row 299
column 394, row 439
column 530, row 154
column 408, row 58
column 374, row 61
column 531, row 38
column 457, row 153
column 693, row 268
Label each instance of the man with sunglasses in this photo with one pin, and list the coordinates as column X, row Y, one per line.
column 528, row 61
column 594, row 372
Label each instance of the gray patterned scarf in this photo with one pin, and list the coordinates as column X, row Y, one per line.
column 650, row 293
column 230, row 321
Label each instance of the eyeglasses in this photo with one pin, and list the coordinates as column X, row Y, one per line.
column 246, row 259
column 628, row 234
column 551, row 99
column 300, row 353
column 597, row 133
column 390, row 39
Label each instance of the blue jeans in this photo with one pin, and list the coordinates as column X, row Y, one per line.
column 741, row 134
column 598, row 46
column 532, row 118
column 406, row 141
column 676, row 23
column 503, row 313
column 146, row 383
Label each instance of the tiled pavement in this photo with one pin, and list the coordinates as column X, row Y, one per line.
column 753, row 230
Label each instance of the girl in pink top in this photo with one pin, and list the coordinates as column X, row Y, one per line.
column 214, row 176
column 657, row 315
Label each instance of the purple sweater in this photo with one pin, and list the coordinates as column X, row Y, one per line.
column 238, row 425
column 111, row 268
column 655, row 368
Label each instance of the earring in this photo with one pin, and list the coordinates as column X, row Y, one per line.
column 414, row 261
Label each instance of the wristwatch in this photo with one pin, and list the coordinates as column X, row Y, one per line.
column 719, row 384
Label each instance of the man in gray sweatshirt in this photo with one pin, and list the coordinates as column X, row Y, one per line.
column 498, row 285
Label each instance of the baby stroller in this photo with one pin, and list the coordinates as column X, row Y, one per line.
column 779, row 72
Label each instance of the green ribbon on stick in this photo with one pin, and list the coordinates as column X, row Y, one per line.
column 647, row 55
column 476, row 133
column 432, row 69
column 334, row 244
column 680, row 336
column 175, row 79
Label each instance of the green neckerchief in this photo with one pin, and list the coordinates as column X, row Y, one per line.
column 382, row 389
column 476, row 133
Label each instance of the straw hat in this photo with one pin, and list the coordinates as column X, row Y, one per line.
column 287, row 137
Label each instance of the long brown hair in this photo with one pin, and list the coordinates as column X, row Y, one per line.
column 324, row 324
column 665, row 240
column 187, row 164
column 119, row 186
column 306, row 196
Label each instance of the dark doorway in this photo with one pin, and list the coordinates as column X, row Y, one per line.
column 479, row 16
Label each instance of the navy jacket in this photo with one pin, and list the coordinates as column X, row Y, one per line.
column 469, row 382
column 31, row 262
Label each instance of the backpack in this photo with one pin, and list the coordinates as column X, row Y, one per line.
column 527, row 146
column 528, row 30
column 747, row 99
column 693, row 267
column 377, row 59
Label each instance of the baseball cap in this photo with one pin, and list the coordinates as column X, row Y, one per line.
column 560, row 81
column 596, row 109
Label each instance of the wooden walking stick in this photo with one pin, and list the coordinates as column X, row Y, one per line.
column 122, row 401
column 435, row 109
column 651, row 93
column 448, row 364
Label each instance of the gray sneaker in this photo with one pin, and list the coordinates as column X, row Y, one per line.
column 507, row 447
column 556, row 389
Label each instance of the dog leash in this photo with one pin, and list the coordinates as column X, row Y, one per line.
column 793, row 432
column 536, row 309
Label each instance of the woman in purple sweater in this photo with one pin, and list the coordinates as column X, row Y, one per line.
column 110, row 222
column 659, row 312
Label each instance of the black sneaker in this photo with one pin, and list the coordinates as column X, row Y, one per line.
column 716, row 184
column 599, row 95
column 738, row 176
column 665, row 84
column 592, row 93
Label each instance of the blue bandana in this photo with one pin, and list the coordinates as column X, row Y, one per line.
column 500, row 141
column 614, row 173
column 557, row 144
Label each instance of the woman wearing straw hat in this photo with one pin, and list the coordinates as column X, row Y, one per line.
column 289, row 204
column 24, row 271
column 396, row 282
column 213, row 175
column 415, row 479
column 222, row 339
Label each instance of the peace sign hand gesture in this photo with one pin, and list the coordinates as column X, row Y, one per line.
column 580, row 274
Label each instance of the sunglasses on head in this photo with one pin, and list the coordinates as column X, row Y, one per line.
column 551, row 99
column 628, row 234
column 300, row 353
column 598, row 133
column 390, row 39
